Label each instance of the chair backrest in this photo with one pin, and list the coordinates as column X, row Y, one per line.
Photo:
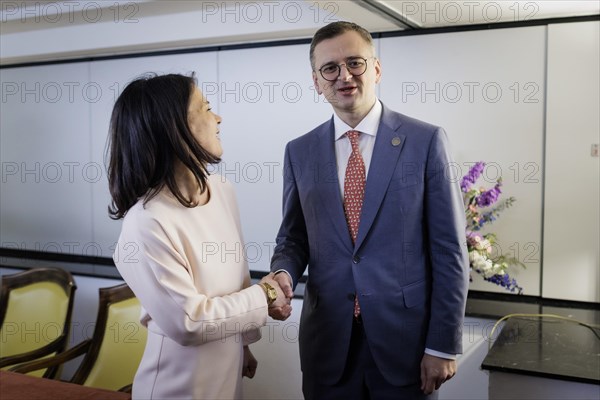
column 36, row 306
column 118, row 341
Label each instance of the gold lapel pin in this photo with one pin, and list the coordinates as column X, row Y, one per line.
column 396, row 141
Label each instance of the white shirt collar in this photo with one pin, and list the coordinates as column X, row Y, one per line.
column 368, row 125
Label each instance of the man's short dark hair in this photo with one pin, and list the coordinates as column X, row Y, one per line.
column 336, row 29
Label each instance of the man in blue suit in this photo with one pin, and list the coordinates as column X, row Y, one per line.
column 370, row 206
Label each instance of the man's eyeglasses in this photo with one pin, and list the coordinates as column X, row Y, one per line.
column 356, row 66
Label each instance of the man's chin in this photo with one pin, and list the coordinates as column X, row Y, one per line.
column 345, row 102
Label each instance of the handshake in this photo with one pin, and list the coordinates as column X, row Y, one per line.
column 278, row 289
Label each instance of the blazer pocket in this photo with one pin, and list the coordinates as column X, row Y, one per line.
column 415, row 294
column 402, row 183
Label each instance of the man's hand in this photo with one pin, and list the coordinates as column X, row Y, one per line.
column 285, row 284
column 435, row 371
column 281, row 308
column 250, row 363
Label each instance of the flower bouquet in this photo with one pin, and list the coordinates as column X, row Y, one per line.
column 478, row 212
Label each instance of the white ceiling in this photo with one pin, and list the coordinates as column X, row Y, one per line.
column 42, row 30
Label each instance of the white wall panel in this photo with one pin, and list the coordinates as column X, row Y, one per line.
column 486, row 88
column 45, row 148
column 572, row 216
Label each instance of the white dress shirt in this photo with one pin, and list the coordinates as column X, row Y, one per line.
column 366, row 141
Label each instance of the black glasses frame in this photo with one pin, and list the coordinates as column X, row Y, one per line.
column 339, row 68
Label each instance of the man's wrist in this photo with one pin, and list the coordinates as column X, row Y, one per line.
column 287, row 273
column 440, row 354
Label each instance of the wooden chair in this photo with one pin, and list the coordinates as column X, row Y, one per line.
column 36, row 306
column 114, row 352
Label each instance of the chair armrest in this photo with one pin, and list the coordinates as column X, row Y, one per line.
column 58, row 359
column 32, row 355
column 126, row 388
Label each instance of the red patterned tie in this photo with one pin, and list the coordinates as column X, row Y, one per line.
column 354, row 193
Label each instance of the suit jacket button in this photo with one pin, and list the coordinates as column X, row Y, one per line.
column 351, row 296
column 356, row 259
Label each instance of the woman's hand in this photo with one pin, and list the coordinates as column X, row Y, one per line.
column 250, row 363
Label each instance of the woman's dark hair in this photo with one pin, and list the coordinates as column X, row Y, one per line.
column 148, row 133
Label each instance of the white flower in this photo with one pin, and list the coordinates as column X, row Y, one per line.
column 484, row 245
column 482, row 264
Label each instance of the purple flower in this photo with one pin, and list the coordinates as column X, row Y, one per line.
column 489, row 197
column 506, row 282
column 478, row 245
column 473, row 174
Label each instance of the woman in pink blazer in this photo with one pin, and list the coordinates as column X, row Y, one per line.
column 182, row 237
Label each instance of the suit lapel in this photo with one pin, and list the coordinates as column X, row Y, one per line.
column 326, row 178
column 388, row 145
